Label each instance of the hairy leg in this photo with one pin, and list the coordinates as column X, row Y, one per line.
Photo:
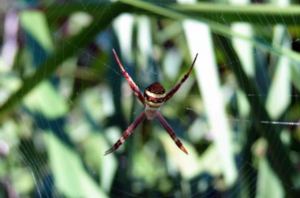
column 136, row 90
column 126, row 133
column 177, row 86
column 170, row 131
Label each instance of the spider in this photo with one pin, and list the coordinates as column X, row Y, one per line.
column 154, row 96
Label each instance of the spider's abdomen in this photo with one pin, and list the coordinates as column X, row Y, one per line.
column 154, row 95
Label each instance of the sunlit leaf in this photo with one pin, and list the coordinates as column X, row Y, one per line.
column 63, row 51
column 45, row 99
column 95, row 147
column 267, row 181
column 209, row 84
column 216, row 27
column 39, row 30
column 179, row 160
column 70, row 176
column 279, row 96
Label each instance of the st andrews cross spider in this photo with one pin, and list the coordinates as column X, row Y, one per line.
column 154, row 96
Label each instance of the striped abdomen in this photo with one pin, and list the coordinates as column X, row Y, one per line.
column 154, row 97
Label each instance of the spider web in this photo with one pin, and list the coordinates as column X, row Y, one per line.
column 81, row 133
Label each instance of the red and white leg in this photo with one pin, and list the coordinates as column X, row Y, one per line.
column 170, row 131
column 126, row 133
column 131, row 83
column 177, row 86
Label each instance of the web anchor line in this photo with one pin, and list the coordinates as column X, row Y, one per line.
column 284, row 123
column 281, row 123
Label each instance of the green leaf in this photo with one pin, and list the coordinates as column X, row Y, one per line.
column 147, row 166
column 261, row 14
column 209, row 85
column 179, row 159
column 70, row 176
column 94, row 146
column 244, row 48
column 39, row 30
column 65, row 50
column 279, row 96
column 216, row 27
column 279, row 160
column 268, row 185
column 45, row 100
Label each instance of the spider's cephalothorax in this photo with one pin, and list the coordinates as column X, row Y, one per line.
column 154, row 96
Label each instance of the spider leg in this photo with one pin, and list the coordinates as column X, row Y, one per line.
column 170, row 131
column 131, row 83
column 176, row 87
column 126, row 133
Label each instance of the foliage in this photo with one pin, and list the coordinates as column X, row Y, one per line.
column 64, row 100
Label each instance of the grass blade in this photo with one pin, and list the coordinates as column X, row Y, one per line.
column 279, row 160
column 209, row 84
column 216, row 27
column 64, row 51
column 261, row 14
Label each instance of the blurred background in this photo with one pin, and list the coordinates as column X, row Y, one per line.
column 64, row 101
